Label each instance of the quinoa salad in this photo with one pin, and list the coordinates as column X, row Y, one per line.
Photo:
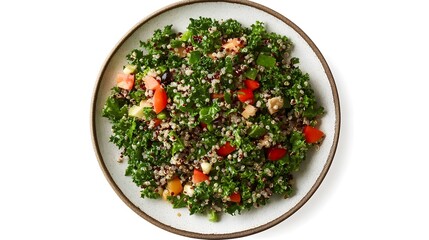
column 216, row 118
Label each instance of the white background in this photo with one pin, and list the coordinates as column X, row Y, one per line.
column 52, row 187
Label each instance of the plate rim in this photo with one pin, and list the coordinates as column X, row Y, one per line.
column 237, row 234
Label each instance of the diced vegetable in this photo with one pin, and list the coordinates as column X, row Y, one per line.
column 161, row 116
column 225, row 149
column 275, row 154
column 185, row 36
column 188, row 190
column 213, row 217
column 249, row 111
column 312, row 135
column 251, row 73
column 129, row 69
column 210, row 127
column 174, row 186
column 199, row 176
column 145, row 103
column 151, row 83
column 206, row 167
column 274, row 104
column 245, row 95
column 125, row 81
column 251, row 84
column 159, row 100
column 162, row 69
column 136, row 111
column 235, row 197
column 266, row 60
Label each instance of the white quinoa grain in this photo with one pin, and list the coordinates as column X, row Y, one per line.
column 188, row 72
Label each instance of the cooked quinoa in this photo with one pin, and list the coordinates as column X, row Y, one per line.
column 232, row 124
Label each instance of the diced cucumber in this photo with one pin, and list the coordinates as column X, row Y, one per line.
column 161, row 115
column 129, row 69
column 251, row 73
column 136, row 111
column 185, row 36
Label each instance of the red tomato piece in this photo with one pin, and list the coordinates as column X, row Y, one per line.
column 159, row 100
column 235, row 197
column 225, row 149
column 125, row 81
column 275, row 154
column 199, row 176
column 245, row 95
column 312, row 135
column 203, row 125
column 251, row 84
column 151, row 83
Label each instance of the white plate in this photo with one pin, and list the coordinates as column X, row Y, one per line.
column 314, row 169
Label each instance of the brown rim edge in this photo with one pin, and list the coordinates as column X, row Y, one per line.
column 249, row 231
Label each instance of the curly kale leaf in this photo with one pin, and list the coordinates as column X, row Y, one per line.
column 115, row 108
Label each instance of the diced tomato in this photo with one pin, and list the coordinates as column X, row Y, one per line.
column 275, row 154
column 235, row 197
column 245, row 95
column 159, row 100
column 125, row 81
column 217, row 95
column 151, row 83
column 174, row 186
column 157, row 122
column 199, row 176
column 312, row 135
column 251, row 84
column 225, row 149
column 203, row 125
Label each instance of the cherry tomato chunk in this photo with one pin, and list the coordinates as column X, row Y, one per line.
column 235, row 197
column 151, row 83
column 275, row 154
column 251, row 84
column 312, row 134
column 199, row 176
column 225, row 149
column 159, row 100
column 245, row 95
column 125, row 81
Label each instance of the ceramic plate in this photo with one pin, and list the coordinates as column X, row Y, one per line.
column 308, row 179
